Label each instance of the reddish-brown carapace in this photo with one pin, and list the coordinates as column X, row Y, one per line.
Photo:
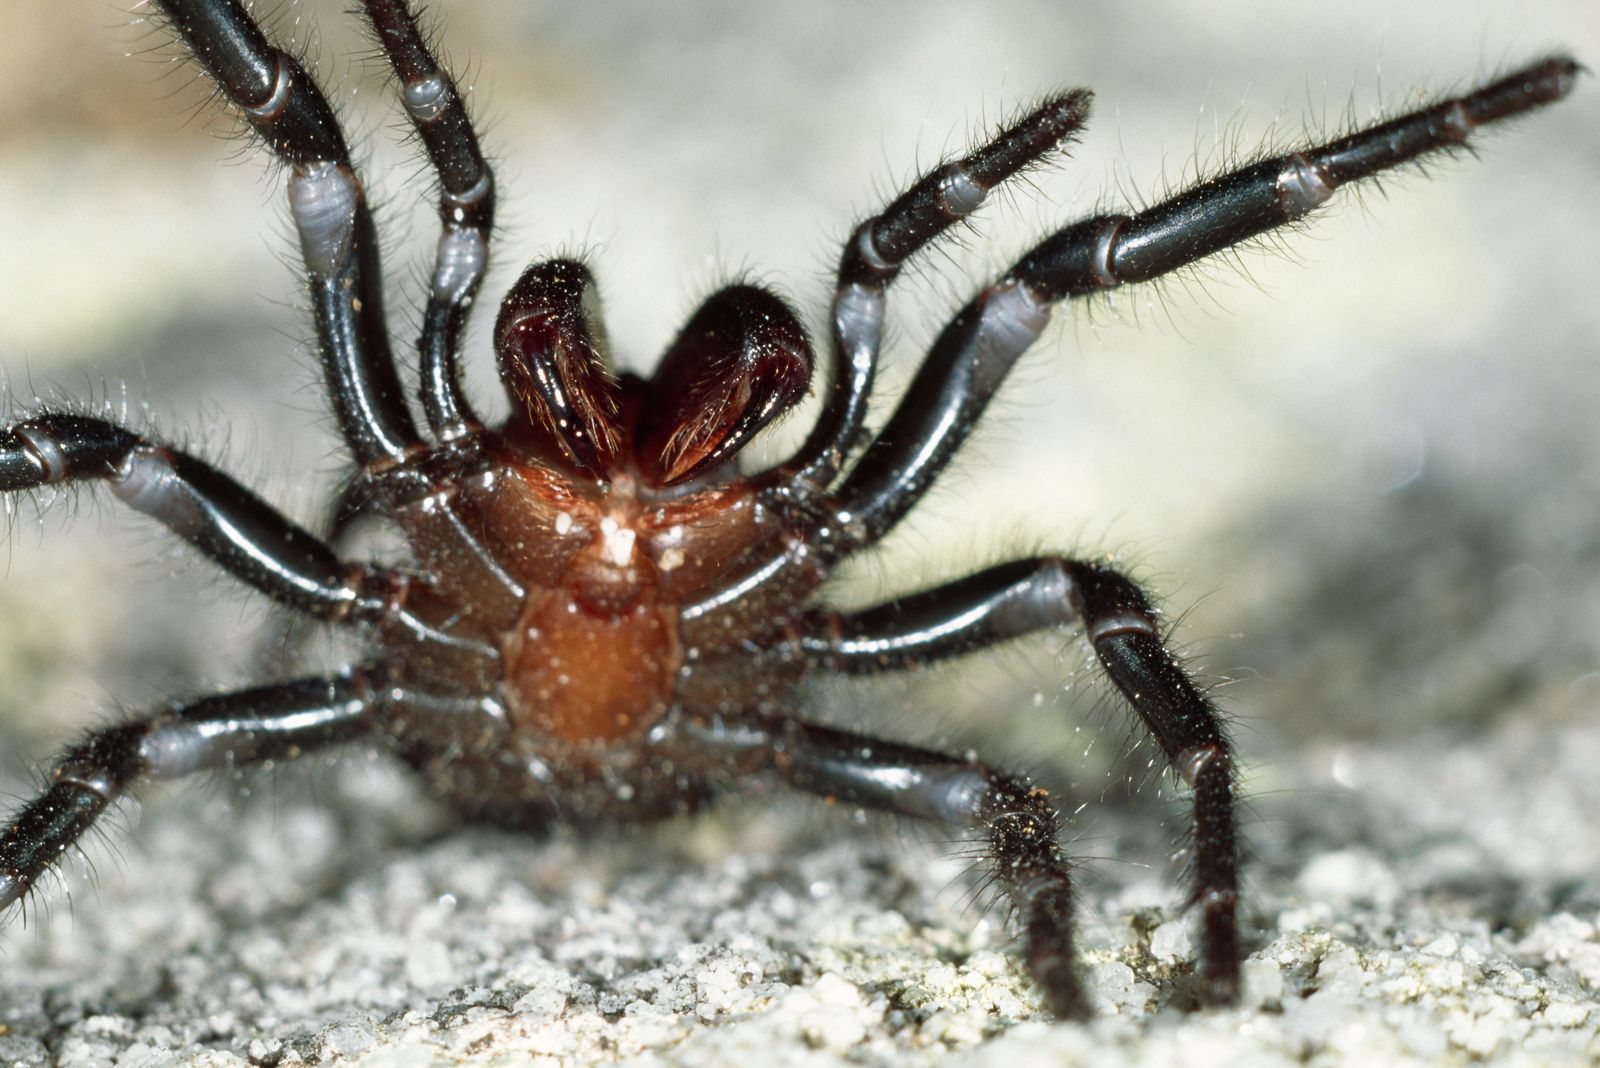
column 603, row 618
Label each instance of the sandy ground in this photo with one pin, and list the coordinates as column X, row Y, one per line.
column 1365, row 472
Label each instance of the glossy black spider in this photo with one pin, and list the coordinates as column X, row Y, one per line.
column 606, row 621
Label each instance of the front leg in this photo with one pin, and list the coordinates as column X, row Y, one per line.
column 1029, row 595
column 466, row 210
column 974, row 354
column 272, row 92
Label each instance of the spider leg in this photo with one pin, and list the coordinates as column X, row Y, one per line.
column 250, row 726
column 976, row 351
column 1029, row 595
column 238, row 530
column 1018, row 818
column 338, row 244
column 466, row 211
column 872, row 260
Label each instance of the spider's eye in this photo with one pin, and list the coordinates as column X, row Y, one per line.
column 552, row 350
column 742, row 361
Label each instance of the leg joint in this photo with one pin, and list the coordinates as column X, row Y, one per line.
column 959, row 193
column 1197, row 762
column 44, row 452
column 426, row 98
column 271, row 109
column 106, row 763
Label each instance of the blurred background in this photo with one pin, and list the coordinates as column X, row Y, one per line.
column 1360, row 461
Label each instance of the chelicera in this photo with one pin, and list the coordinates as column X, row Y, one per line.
column 603, row 619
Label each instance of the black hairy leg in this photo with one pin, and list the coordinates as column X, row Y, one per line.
column 232, row 730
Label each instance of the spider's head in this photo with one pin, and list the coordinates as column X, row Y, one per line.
column 742, row 360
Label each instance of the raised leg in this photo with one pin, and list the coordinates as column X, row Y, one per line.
column 975, row 353
column 872, row 260
column 466, row 211
column 338, row 245
column 978, row 349
column 1029, row 595
column 226, row 731
column 238, row 530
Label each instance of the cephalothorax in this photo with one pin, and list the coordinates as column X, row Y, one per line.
column 603, row 619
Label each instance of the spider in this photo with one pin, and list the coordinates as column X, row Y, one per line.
column 603, row 619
